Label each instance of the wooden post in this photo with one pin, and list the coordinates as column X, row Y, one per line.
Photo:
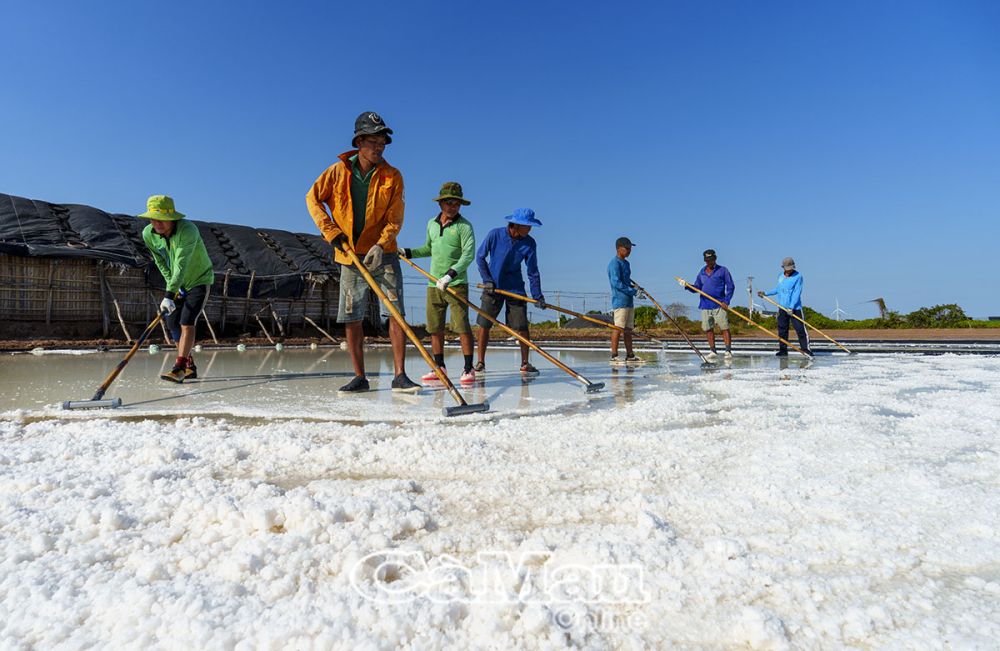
column 325, row 333
column 209, row 324
column 225, row 302
column 275, row 319
column 266, row 333
column 48, row 306
column 105, row 317
column 118, row 310
column 128, row 337
column 246, row 310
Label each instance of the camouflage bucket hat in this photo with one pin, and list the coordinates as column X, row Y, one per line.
column 452, row 190
column 160, row 206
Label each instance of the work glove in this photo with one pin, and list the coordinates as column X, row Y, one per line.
column 488, row 287
column 339, row 241
column 682, row 283
column 541, row 303
column 404, row 253
column 761, row 294
column 446, row 279
column 167, row 305
column 373, row 259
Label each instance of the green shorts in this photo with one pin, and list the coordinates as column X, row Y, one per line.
column 438, row 302
column 717, row 317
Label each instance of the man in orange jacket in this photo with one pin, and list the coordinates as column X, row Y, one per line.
column 364, row 195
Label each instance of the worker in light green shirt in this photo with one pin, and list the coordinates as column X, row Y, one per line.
column 181, row 256
column 451, row 245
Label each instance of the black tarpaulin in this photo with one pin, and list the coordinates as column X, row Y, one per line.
column 280, row 262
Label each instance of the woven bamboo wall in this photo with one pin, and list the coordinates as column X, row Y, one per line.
column 46, row 297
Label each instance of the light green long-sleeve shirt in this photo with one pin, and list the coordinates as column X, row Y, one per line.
column 450, row 247
column 182, row 258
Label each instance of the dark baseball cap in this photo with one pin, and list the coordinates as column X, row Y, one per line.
column 709, row 253
column 624, row 241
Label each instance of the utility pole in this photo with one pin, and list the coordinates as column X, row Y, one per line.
column 750, row 293
column 558, row 315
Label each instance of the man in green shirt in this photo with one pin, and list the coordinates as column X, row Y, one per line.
column 451, row 244
column 181, row 257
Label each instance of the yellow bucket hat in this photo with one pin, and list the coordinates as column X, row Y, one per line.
column 160, row 206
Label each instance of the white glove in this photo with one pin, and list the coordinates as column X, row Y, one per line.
column 445, row 280
column 373, row 259
column 167, row 305
column 682, row 283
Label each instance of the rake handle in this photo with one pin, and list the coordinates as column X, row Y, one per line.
column 673, row 321
column 806, row 323
column 732, row 311
column 402, row 324
column 504, row 327
column 121, row 365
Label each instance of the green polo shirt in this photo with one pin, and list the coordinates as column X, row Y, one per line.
column 359, row 195
column 450, row 247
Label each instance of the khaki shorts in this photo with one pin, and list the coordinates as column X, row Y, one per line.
column 711, row 318
column 439, row 302
column 625, row 317
column 354, row 289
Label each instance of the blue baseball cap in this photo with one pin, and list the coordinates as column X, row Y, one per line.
column 524, row 217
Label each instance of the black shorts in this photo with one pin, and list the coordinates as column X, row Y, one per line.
column 188, row 309
column 516, row 316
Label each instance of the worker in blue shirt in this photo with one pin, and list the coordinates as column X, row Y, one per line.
column 789, row 293
column 716, row 281
column 622, row 299
column 499, row 259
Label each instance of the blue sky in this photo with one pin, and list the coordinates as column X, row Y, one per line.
column 862, row 138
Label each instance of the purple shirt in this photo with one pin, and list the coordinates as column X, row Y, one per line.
column 718, row 285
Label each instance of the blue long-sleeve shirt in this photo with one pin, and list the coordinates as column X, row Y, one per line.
column 620, row 277
column 789, row 291
column 505, row 255
column 718, row 285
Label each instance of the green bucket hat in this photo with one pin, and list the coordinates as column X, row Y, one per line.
column 160, row 206
column 452, row 190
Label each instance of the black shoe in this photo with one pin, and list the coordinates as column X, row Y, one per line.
column 358, row 385
column 191, row 372
column 175, row 375
column 781, row 353
column 403, row 384
column 528, row 370
column 808, row 352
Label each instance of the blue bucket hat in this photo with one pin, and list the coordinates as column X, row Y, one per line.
column 524, row 217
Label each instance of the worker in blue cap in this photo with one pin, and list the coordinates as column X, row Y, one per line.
column 499, row 259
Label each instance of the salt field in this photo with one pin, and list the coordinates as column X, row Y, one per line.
column 765, row 503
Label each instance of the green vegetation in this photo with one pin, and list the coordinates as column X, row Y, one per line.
column 950, row 315
column 939, row 316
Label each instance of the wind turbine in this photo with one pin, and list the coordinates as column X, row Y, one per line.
column 837, row 312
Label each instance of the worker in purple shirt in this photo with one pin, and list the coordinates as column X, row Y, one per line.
column 789, row 293
column 716, row 281
column 499, row 260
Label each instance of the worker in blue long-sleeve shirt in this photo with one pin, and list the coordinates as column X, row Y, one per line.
column 499, row 259
column 716, row 281
column 789, row 292
column 622, row 299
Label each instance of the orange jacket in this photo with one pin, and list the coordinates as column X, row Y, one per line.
column 383, row 213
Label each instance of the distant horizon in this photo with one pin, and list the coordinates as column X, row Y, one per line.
column 861, row 139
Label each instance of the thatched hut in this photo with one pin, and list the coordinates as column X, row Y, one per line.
column 69, row 270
